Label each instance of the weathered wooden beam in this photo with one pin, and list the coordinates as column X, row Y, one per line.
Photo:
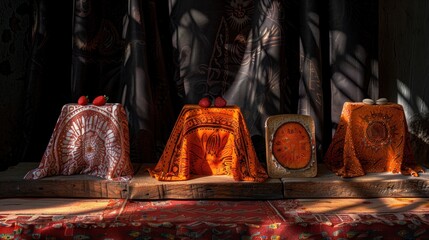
column 327, row 185
column 13, row 184
column 143, row 186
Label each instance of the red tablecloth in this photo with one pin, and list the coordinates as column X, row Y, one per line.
column 209, row 141
column 92, row 140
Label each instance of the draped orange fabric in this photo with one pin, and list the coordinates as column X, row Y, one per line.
column 209, row 141
column 371, row 138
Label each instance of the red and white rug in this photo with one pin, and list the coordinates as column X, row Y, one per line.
column 108, row 219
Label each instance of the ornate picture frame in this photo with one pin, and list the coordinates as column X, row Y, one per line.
column 290, row 146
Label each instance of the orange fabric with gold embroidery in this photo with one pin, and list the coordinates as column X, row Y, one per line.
column 371, row 138
column 209, row 141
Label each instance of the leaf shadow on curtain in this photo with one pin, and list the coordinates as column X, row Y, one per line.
column 268, row 57
column 118, row 52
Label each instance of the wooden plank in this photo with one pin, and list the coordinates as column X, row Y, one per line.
column 66, row 187
column 325, row 185
column 13, row 184
column 53, row 206
column 328, row 185
column 17, row 172
column 143, row 186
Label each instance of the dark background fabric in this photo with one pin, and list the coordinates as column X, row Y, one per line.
column 266, row 56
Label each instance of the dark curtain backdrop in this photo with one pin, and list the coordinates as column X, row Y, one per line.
column 266, row 56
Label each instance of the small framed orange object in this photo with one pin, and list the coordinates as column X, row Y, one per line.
column 290, row 146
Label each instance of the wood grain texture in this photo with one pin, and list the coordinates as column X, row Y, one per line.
column 13, row 184
column 328, row 185
column 53, row 206
column 143, row 187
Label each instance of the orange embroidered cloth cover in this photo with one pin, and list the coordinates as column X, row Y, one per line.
column 371, row 138
column 209, row 141
column 89, row 139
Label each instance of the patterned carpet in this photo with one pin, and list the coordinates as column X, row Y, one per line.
column 380, row 218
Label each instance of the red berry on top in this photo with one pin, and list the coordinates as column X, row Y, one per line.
column 100, row 100
column 219, row 102
column 204, row 102
column 83, row 100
